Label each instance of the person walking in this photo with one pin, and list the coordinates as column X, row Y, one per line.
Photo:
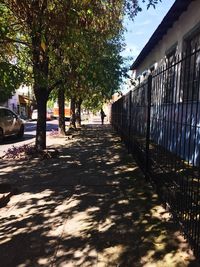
column 103, row 115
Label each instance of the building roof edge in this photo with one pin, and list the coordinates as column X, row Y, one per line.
column 170, row 18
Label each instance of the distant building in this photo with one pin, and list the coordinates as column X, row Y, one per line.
column 22, row 102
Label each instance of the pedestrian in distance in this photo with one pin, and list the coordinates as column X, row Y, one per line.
column 103, row 115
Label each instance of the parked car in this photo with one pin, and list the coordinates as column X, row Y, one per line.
column 49, row 114
column 10, row 124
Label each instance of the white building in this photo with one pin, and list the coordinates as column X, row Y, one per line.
column 21, row 102
column 172, row 55
column 178, row 31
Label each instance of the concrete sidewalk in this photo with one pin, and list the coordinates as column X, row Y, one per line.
column 90, row 207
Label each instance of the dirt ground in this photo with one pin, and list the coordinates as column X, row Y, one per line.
column 89, row 207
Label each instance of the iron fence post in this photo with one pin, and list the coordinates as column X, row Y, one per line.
column 149, row 87
column 129, row 120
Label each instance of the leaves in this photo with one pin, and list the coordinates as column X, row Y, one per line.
column 74, row 43
column 10, row 78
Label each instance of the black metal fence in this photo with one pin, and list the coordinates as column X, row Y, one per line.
column 159, row 121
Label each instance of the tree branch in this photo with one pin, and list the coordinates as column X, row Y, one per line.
column 54, row 85
column 10, row 40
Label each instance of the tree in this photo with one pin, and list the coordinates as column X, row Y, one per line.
column 61, row 104
column 42, row 25
column 11, row 74
column 10, row 79
column 102, row 73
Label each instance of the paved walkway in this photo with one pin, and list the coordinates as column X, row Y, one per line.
column 90, row 207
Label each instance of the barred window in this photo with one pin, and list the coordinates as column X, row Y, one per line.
column 191, row 68
column 170, row 77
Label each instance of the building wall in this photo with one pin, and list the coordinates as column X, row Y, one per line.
column 13, row 103
column 23, row 109
column 176, row 35
column 175, row 120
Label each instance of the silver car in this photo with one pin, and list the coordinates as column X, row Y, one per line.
column 10, row 124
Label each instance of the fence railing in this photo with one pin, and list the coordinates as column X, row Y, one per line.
column 159, row 121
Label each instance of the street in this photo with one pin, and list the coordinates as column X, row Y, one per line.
column 30, row 132
column 29, row 135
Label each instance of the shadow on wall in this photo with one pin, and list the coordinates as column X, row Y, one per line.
column 176, row 127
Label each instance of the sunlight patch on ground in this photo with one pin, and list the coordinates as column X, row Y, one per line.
column 104, row 226
column 123, row 169
column 123, row 201
column 27, row 263
column 5, row 239
column 9, row 169
column 160, row 213
column 177, row 256
column 71, row 203
column 172, row 259
column 43, row 262
column 78, row 225
column 65, row 156
column 85, row 257
column 55, row 231
column 110, row 256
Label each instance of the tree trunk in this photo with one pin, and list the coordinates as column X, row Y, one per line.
column 40, row 71
column 72, row 124
column 78, row 113
column 41, row 121
column 61, row 105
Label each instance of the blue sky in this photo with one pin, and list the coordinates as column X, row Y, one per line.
column 145, row 23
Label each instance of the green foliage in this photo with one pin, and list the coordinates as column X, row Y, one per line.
column 50, row 103
column 68, row 33
column 94, row 103
column 75, row 44
column 13, row 68
column 10, row 79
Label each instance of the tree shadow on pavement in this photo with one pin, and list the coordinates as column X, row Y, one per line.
column 90, row 207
